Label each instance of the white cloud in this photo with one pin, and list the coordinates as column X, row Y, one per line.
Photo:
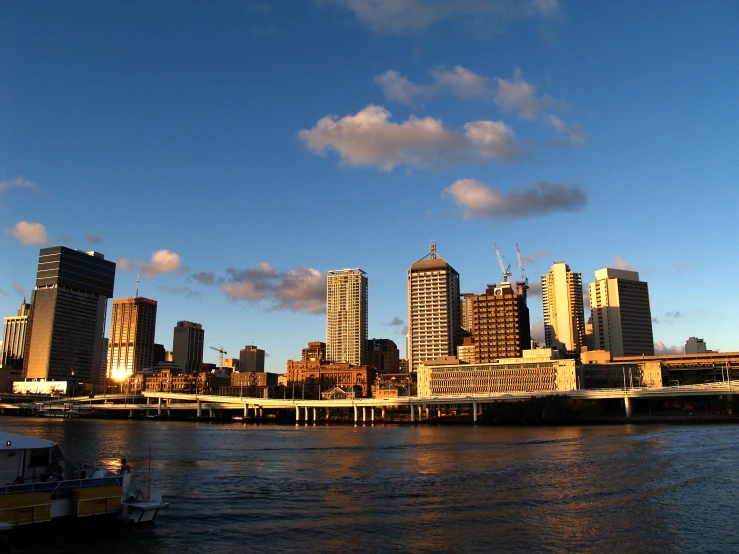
column 463, row 82
column 301, row 289
column 660, row 349
column 398, row 88
column 574, row 132
column 19, row 182
column 541, row 198
column 28, row 233
column 400, row 16
column 518, row 96
column 369, row 138
column 162, row 261
column 620, row 263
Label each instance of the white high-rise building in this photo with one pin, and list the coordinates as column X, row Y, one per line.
column 695, row 345
column 434, row 326
column 622, row 318
column 346, row 316
column 564, row 315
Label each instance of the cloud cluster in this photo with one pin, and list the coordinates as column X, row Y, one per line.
column 20, row 291
column 660, row 349
column 398, row 325
column 184, row 290
column 620, row 263
column 369, row 138
column 19, row 182
column 28, row 233
column 401, row 16
column 206, row 277
column 480, row 201
column 94, row 239
column 301, row 289
column 516, row 96
column 162, row 261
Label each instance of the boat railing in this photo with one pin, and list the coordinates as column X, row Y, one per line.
column 60, row 489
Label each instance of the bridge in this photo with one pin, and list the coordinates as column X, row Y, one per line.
column 418, row 406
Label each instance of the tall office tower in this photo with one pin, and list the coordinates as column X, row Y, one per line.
column 465, row 306
column 346, row 316
column 564, row 315
column 67, row 317
column 500, row 323
column 622, row 318
column 434, row 320
column 251, row 359
column 104, row 360
column 14, row 338
column 695, row 346
column 188, row 345
column 131, row 342
column 316, row 352
column 383, row 355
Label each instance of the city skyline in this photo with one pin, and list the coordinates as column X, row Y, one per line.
column 537, row 147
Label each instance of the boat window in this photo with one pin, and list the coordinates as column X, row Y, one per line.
column 39, row 457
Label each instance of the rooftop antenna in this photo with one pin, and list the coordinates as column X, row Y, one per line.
column 138, row 279
column 432, row 256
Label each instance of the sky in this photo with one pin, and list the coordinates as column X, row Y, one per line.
column 232, row 152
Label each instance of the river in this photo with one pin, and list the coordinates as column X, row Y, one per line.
column 254, row 488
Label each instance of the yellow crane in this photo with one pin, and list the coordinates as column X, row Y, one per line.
column 222, row 351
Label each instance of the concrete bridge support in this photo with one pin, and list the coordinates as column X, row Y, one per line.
column 412, row 414
column 364, row 414
column 383, row 414
column 355, row 415
column 159, row 408
column 306, row 415
column 420, row 414
column 246, row 411
column 297, row 415
column 314, row 416
column 427, row 411
column 130, row 414
column 327, row 414
column 372, row 413
column 628, row 407
column 200, row 408
column 211, row 413
column 474, row 412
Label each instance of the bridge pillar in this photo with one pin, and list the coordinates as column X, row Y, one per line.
column 383, row 414
column 438, row 411
column 159, row 408
column 297, row 414
column 306, row 414
column 372, row 413
column 327, row 414
column 628, row 407
column 260, row 412
column 474, row 411
column 256, row 412
column 210, row 413
column 412, row 414
column 246, row 411
column 355, row 414
column 420, row 413
column 314, row 416
column 364, row 414
column 200, row 408
column 130, row 414
column 427, row 412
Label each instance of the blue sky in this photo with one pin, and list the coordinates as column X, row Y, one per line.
column 233, row 152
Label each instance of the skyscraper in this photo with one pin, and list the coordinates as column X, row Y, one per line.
column 465, row 305
column 564, row 315
column 67, row 317
column 131, row 341
column 383, row 355
column 346, row 316
column 500, row 324
column 188, row 345
column 14, row 338
column 434, row 326
column 622, row 318
column 251, row 359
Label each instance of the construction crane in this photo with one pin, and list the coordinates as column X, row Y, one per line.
column 520, row 265
column 222, row 351
column 506, row 270
column 523, row 284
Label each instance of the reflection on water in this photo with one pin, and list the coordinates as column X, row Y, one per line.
column 236, row 488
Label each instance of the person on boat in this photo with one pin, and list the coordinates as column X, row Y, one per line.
column 18, row 480
column 125, row 468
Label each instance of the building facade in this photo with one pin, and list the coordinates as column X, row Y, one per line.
column 346, row 316
column 251, row 359
column 564, row 314
column 316, row 352
column 434, row 319
column 500, row 324
column 67, row 317
column 465, row 308
column 188, row 345
column 538, row 370
column 695, row 345
column 321, row 377
column 383, row 355
column 14, row 338
column 622, row 318
column 131, row 341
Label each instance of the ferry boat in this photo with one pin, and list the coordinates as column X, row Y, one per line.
column 39, row 484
